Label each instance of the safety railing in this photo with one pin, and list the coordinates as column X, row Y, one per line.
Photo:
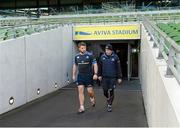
column 168, row 48
column 95, row 18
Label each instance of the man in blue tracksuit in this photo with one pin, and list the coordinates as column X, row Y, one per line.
column 109, row 71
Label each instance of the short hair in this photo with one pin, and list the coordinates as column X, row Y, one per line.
column 81, row 44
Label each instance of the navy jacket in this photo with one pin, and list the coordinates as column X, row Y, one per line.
column 109, row 66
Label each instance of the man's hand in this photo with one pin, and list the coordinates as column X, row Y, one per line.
column 100, row 78
column 119, row 81
column 74, row 78
column 95, row 77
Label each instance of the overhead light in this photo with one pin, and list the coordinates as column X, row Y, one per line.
column 11, row 101
column 134, row 50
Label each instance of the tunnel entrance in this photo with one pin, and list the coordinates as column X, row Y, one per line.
column 127, row 51
column 121, row 49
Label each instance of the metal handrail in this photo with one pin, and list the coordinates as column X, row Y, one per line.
column 95, row 18
column 159, row 38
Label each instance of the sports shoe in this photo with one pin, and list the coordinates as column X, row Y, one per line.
column 80, row 111
column 92, row 102
column 109, row 108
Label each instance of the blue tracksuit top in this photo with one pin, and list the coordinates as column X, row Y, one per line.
column 109, row 66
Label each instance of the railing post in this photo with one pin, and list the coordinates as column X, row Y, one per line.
column 150, row 35
column 156, row 41
column 152, row 31
column 170, row 61
column 161, row 48
column 14, row 32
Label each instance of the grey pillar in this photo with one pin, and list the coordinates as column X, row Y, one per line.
column 129, row 62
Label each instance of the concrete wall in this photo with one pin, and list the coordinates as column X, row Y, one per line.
column 161, row 94
column 12, row 74
column 33, row 62
column 67, row 49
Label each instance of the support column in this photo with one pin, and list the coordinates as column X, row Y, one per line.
column 129, row 62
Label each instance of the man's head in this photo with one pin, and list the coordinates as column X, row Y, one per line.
column 82, row 47
column 108, row 49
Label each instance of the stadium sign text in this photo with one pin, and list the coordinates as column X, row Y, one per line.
column 106, row 32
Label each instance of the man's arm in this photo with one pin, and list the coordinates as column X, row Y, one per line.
column 75, row 66
column 95, row 67
column 74, row 72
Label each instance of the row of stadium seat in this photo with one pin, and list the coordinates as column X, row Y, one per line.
column 172, row 30
column 11, row 33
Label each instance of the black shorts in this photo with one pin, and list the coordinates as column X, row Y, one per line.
column 85, row 79
column 109, row 83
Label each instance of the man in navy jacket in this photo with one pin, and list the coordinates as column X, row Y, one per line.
column 109, row 73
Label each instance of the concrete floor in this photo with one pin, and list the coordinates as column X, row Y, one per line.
column 60, row 109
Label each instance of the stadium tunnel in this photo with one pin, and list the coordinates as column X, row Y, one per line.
column 127, row 48
column 127, row 51
column 46, row 67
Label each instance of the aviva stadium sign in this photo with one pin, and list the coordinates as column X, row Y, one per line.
column 117, row 32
